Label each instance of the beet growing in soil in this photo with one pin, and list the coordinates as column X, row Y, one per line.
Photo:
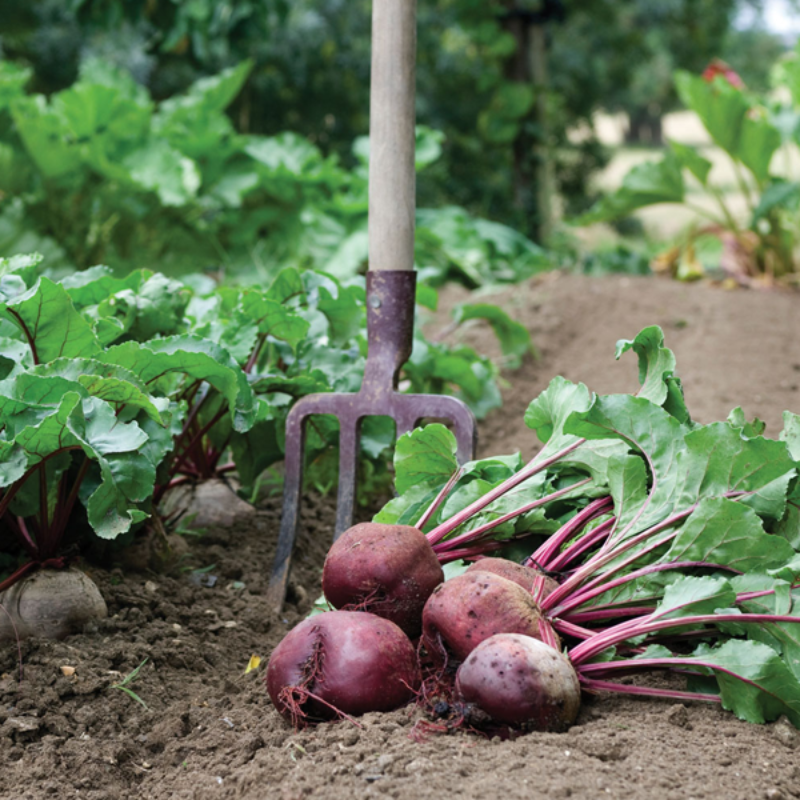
column 211, row 731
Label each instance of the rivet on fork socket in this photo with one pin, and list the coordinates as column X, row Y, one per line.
column 374, row 301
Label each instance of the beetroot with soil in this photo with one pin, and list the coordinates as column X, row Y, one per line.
column 520, row 681
column 341, row 663
column 469, row 608
column 389, row 570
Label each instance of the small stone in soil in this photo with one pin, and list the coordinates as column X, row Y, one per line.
column 350, row 738
column 23, row 724
column 203, row 579
column 384, row 761
column 678, row 716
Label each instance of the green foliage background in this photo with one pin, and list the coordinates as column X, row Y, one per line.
column 311, row 74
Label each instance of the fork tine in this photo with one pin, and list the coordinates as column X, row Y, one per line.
column 348, row 461
column 292, row 485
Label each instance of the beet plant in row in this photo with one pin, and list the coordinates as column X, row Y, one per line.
column 115, row 389
column 88, row 417
column 673, row 546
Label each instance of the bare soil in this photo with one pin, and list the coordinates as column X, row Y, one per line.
column 208, row 729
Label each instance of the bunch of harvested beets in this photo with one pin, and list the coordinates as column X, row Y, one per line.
column 635, row 540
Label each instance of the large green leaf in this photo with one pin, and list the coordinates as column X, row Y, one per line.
column 153, row 305
column 214, row 93
column 435, row 368
column 549, row 414
column 689, row 596
column 754, row 681
column 656, row 370
column 780, row 195
column 50, row 324
column 628, row 486
column 287, row 153
column 13, row 463
column 286, row 286
column 728, row 116
column 718, row 459
column 25, row 266
column 120, row 393
column 92, row 110
column 692, row 160
column 720, row 531
column 42, row 132
column 113, row 446
column 12, row 82
column 645, row 185
column 273, row 318
column 343, row 306
column 15, row 356
column 721, row 107
column 158, row 167
column 647, row 429
column 408, row 507
column 757, row 144
column 685, row 464
column 194, row 357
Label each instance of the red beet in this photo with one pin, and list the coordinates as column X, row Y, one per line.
column 518, row 573
column 389, row 570
column 469, row 608
column 341, row 662
column 520, row 681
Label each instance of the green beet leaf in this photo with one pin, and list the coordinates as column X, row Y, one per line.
column 287, row 285
column 13, row 463
column 717, row 460
column 758, row 142
column 50, row 324
column 273, row 318
column 721, row 531
column 547, row 414
column 190, row 356
column 45, row 384
column 656, row 371
column 791, row 433
column 409, row 507
column 689, row 596
column 749, row 428
column 425, row 456
column 646, row 429
column 754, row 681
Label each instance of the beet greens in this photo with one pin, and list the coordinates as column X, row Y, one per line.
column 674, row 543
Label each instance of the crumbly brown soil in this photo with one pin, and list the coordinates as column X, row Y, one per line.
column 209, row 730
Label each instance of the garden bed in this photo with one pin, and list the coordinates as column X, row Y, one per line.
column 209, row 730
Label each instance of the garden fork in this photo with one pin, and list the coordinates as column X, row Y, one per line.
column 391, row 283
